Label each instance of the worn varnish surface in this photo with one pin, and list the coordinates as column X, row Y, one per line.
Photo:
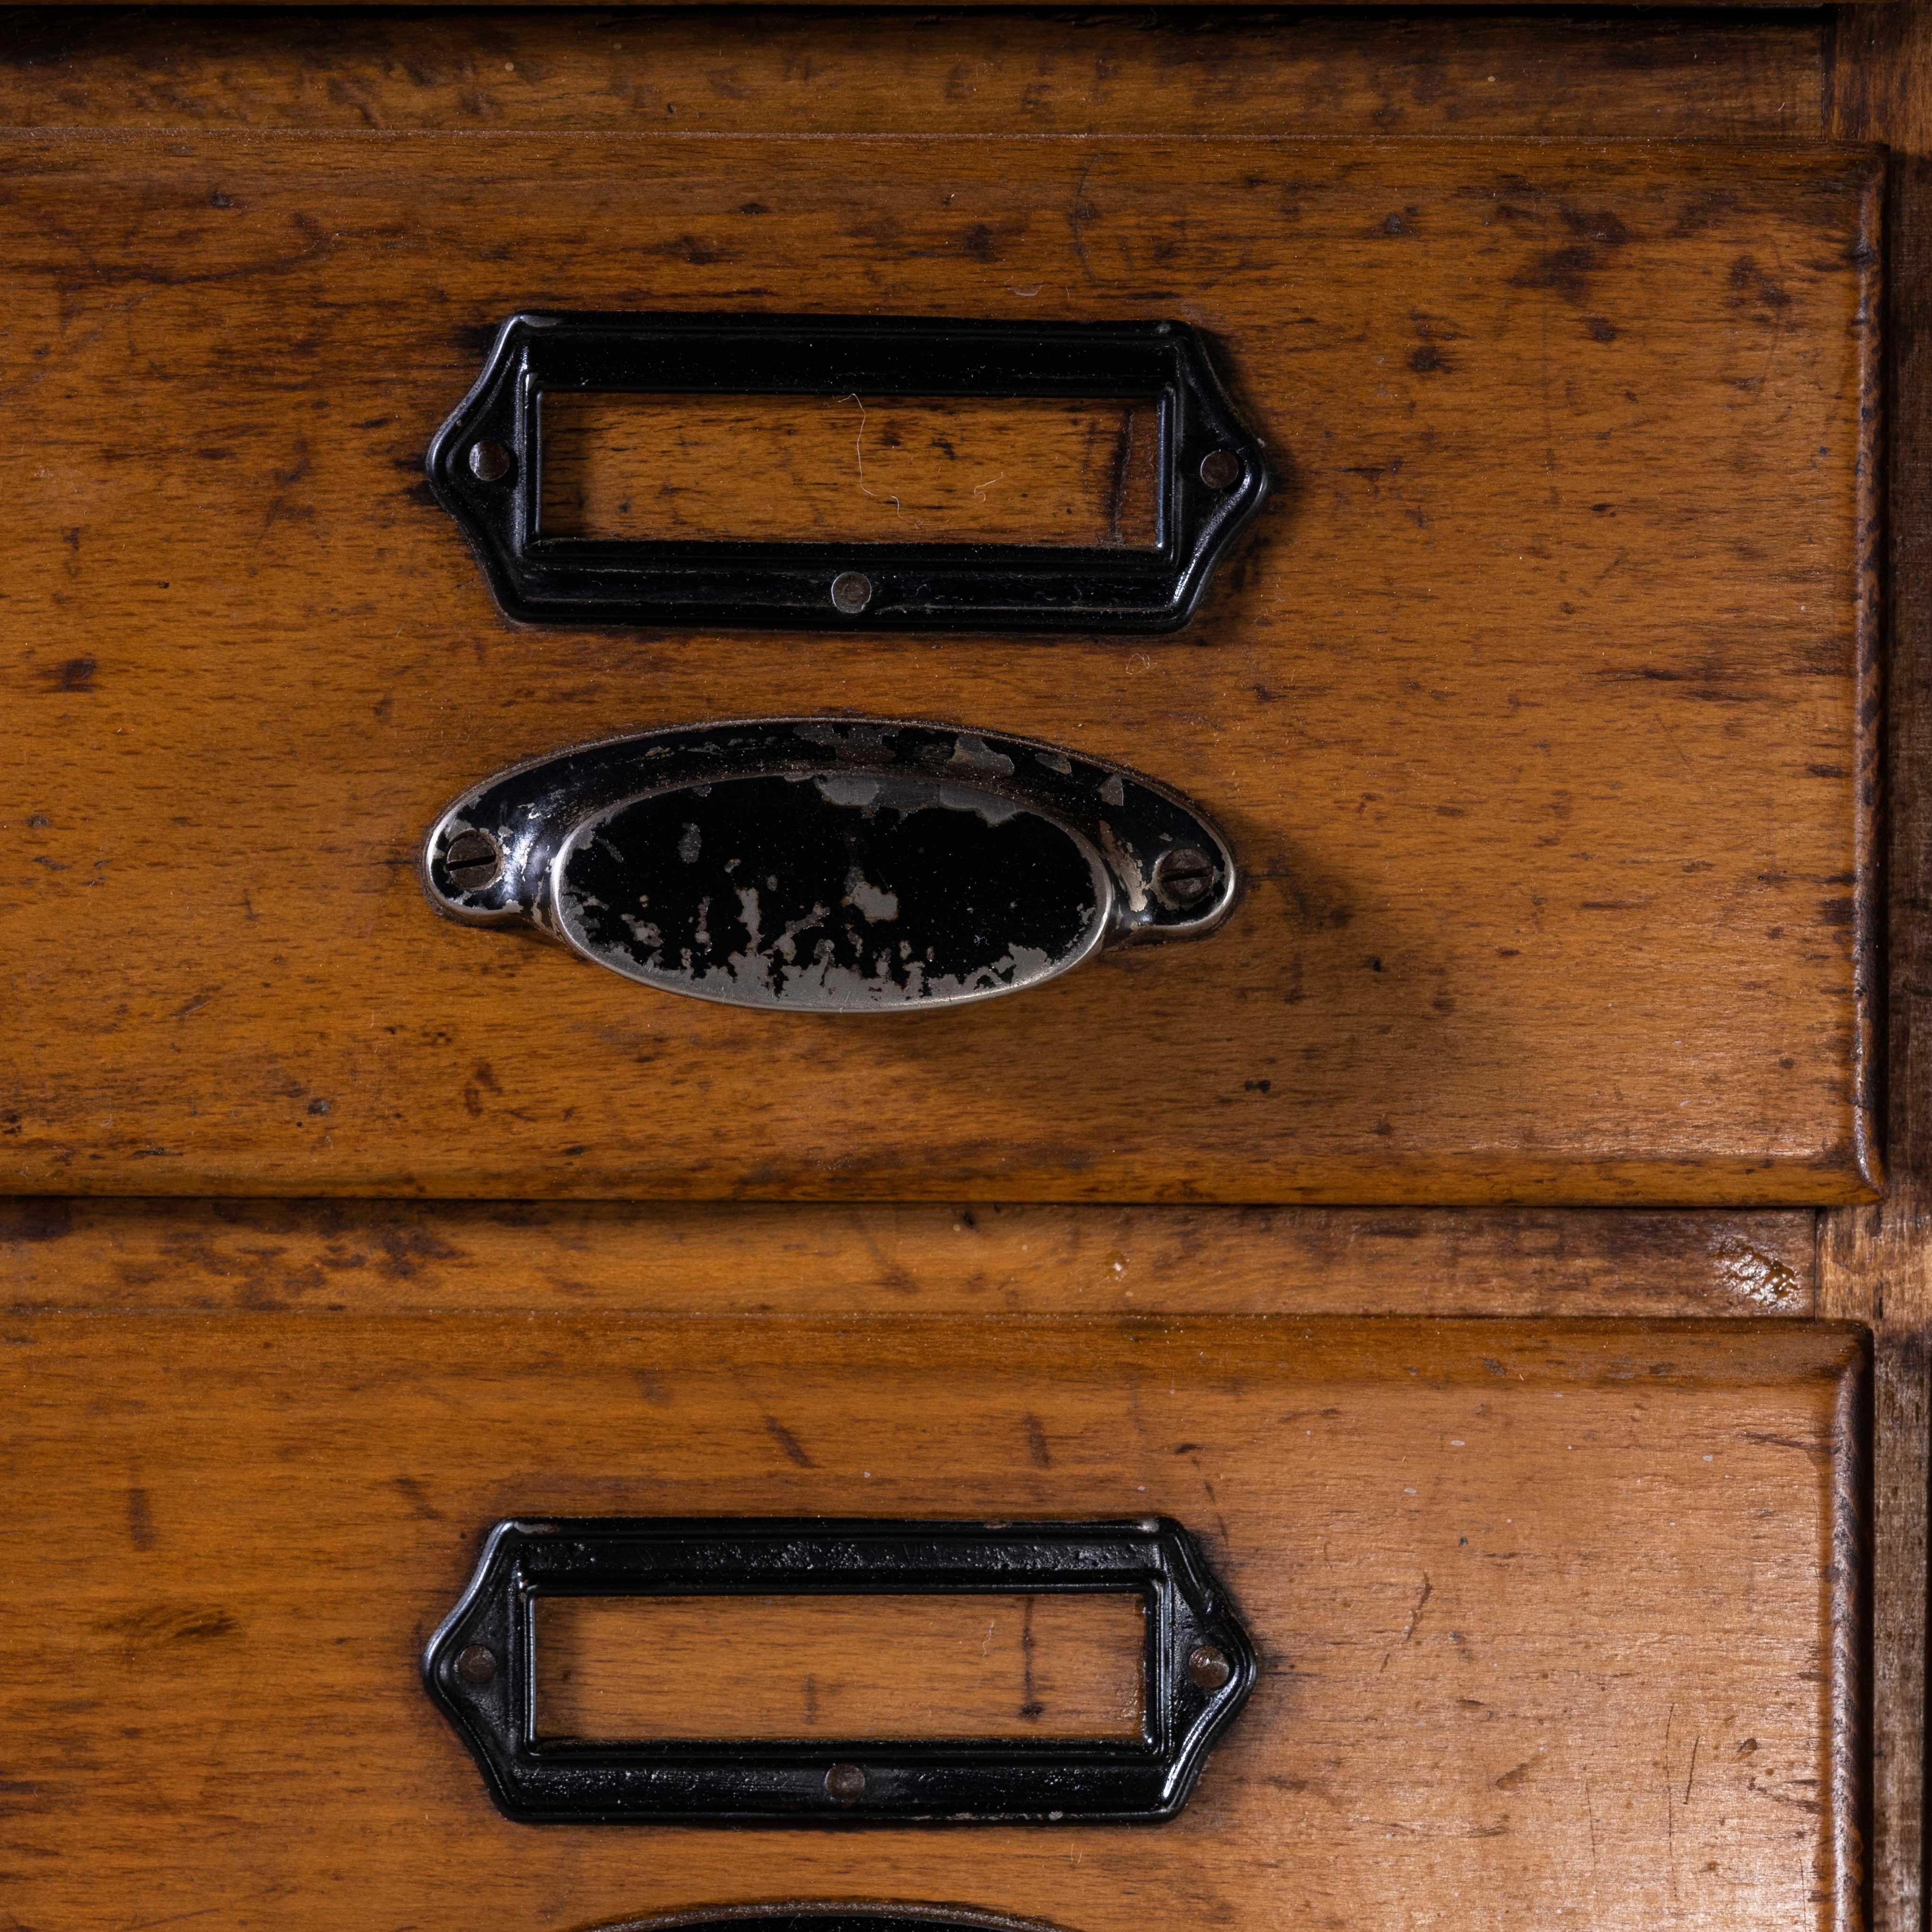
column 997, row 1666
column 818, row 1259
column 841, row 71
column 1563, row 1614
column 1533, row 707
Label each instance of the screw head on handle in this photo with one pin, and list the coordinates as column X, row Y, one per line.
column 1182, row 877
column 472, row 859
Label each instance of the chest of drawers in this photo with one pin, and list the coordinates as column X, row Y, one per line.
column 1493, row 1248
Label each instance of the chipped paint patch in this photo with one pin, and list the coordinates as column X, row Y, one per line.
column 1757, row 1278
column 829, row 864
column 846, row 893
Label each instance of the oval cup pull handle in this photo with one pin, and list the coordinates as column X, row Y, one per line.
column 818, row 864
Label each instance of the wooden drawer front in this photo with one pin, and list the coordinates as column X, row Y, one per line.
column 1537, row 708
column 1564, row 1614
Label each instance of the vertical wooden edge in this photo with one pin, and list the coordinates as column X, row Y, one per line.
column 1850, row 1667
column 1873, row 1262
column 1871, row 873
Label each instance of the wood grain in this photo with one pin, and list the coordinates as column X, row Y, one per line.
column 1535, row 706
column 851, row 469
column 1876, row 1263
column 1213, row 9
column 850, row 71
column 378, row 1257
column 839, row 1668
column 1560, row 1615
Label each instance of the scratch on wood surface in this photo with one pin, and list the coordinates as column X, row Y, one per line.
column 1117, row 488
column 1214, row 1504
column 1669, row 1804
column 1427, row 1590
column 1396, row 1828
column 420, row 1505
column 858, row 451
column 1079, row 212
column 173, row 1918
column 794, row 1450
column 1031, row 1707
column 1415, row 1615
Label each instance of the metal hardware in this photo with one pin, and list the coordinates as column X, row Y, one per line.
column 830, row 865
column 851, row 593
column 473, row 860
column 1028, row 1780
column 1208, row 1666
column 477, row 1665
column 1183, row 875
column 485, row 468
column 491, row 462
column 1222, row 469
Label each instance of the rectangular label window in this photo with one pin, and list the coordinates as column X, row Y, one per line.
column 1042, row 471
column 1058, row 1664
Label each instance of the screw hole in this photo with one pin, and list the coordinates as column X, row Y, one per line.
column 845, row 1783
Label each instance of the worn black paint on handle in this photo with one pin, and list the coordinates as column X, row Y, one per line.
column 842, row 891
column 831, row 865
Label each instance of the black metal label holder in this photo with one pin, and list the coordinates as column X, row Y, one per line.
column 480, row 1668
column 485, row 468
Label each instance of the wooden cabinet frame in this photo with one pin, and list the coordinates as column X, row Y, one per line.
column 1861, row 73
